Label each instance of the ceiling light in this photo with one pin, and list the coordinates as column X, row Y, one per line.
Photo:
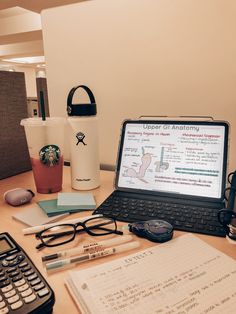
column 26, row 60
column 41, row 65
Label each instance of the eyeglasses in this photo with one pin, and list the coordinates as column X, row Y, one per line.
column 64, row 233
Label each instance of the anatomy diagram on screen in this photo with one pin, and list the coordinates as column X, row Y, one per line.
column 146, row 159
column 140, row 174
column 161, row 165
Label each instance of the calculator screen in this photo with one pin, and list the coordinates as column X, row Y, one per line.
column 4, row 246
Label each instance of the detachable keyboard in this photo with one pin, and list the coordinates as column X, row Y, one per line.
column 183, row 217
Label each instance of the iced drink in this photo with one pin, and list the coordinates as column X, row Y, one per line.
column 45, row 141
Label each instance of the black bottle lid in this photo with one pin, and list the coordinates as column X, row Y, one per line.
column 89, row 109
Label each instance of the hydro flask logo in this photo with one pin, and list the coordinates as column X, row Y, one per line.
column 80, row 137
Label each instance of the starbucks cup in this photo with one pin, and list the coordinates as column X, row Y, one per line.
column 45, row 139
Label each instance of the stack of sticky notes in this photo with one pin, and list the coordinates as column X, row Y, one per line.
column 68, row 203
column 34, row 216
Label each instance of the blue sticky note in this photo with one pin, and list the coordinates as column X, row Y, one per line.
column 76, row 201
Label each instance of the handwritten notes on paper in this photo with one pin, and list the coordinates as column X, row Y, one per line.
column 183, row 276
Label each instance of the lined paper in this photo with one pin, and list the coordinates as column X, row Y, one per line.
column 183, row 276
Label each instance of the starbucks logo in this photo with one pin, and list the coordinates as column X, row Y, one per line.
column 50, row 155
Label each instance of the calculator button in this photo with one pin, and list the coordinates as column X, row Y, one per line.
column 23, row 287
column 12, row 263
column 7, row 288
column 10, row 270
column 26, row 293
column 16, row 278
column 3, row 256
column 29, row 272
column 13, row 299
column 35, row 282
column 32, row 277
column 16, row 305
column 2, row 304
column 12, row 252
column 30, row 298
column 11, row 257
column 4, row 283
column 3, row 278
column 5, row 263
column 1, row 298
column 5, row 310
column 20, row 258
column 2, row 272
column 23, row 264
column 17, row 260
column 43, row 292
column 25, row 268
column 10, row 293
column 20, row 282
column 39, row 286
column 14, row 273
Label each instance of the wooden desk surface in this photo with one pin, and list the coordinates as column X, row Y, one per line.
column 64, row 303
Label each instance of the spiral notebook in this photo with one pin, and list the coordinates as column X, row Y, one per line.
column 184, row 275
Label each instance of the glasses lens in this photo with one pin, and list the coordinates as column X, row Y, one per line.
column 58, row 235
column 99, row 226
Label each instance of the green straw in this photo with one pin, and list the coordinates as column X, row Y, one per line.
column 42, row 106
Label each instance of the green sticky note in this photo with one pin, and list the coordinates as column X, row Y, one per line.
column 49, row 207
column 76, row 201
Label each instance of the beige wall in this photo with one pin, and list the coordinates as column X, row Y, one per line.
column 30, row 80
column 144, row 57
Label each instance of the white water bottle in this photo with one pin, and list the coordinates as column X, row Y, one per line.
column 84, row 148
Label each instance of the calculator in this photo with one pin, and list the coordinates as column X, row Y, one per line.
column 23, row 289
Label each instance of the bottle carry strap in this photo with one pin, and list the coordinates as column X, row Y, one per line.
column 89, row 109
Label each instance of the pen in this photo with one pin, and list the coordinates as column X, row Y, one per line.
column 36, row 229
column 87, row 248
column 90, row 256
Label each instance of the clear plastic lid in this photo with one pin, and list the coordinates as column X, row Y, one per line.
column 39, row 122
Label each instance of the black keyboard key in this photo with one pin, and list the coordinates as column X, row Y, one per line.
column 178, row 223
column 200, row 227
column 187, row 225
column 151, row 215
column 211, row 228
column 126, row 215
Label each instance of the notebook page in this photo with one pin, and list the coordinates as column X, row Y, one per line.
column 183, row 276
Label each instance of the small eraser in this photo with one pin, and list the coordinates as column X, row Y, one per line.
column 18, row 196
